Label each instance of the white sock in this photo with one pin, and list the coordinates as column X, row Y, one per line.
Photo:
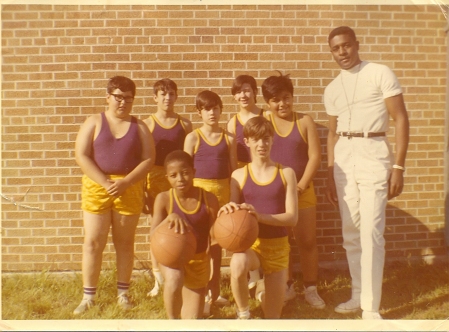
column 158, row 276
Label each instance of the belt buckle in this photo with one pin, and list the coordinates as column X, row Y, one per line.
column 349, row 135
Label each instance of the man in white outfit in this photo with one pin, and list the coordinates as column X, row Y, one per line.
column 363, row 174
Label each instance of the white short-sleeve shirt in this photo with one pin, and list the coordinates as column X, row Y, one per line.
column 356, row 96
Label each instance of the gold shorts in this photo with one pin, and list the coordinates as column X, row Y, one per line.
column 197, row 271
column 96, row 200
column 273, row 253
column 218, row 187
column 308, row 198
column 157, row 181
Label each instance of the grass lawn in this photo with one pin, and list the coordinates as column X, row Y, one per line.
column 411, row 291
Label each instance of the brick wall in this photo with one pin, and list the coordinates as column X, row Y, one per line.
column 57, row 59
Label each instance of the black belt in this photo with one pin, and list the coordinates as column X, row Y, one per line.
column 350, row 135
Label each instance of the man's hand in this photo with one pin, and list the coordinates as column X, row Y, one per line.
column 395, row 183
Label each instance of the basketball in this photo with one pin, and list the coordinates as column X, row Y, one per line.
column 172, row 249
column 236, row 231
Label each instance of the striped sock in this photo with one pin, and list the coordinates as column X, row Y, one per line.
column 122, row 287
column 89, row 292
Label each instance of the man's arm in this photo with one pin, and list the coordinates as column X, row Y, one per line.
column 396, row 108
column 332, row 138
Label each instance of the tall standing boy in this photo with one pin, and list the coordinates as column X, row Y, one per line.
column 296, row 144
column 169, row 130
column 183, row 204
column 267, row 190
column 214, row 155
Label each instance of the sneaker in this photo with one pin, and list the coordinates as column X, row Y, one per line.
column 243, row 314
column 124, row 301
column 206, row 310
column 348, row 307
column 290, row 293
column 260, row 289
column 371, row 315
column 154, row 291
column 312, row 297
column 221, row 301
column 83, row 306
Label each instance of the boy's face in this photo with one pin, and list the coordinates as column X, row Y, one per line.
column 245, row 97
column 281, row 105
column 345, row 51
column 210, row 116
column 259, row 147
column 165, row 100
column 180, row 175
column 120, row 103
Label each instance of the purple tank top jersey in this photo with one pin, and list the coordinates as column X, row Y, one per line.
column 118, row 156
column 198, row 218
column 167, row 140
column 243, row 153
column 211, row 161
column 290, row 150
column 266, row 198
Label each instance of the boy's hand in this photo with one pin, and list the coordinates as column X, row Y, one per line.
column 250, row 209
column 117, row 187
column 228, row 208
column 178, row 223
column 331, row 192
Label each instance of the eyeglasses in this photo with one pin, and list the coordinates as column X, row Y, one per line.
column 120, row 98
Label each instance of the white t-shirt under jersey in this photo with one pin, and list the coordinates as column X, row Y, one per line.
column 366, row 86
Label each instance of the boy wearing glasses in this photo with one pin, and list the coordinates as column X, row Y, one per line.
column 115, row 152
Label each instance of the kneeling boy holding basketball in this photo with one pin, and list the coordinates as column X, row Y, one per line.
column 267, row 190
column 182, row 206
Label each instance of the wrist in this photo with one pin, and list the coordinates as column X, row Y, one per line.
column 402, row 168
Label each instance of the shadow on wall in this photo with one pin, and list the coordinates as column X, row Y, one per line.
column 406, row 236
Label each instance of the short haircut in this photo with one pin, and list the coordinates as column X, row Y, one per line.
column 242, row 79
column 274, row 85
column 343, row 30
column 258, row 127
column 178, row 155
column 207, row 99
column 165, row 85
column 121, row 82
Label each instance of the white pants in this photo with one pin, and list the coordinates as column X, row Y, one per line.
column 361, row 170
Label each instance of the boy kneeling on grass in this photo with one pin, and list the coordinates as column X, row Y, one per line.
column 267, row 190
column 183, row 205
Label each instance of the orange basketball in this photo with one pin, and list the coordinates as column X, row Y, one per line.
column 236, row 231
column 172, row 249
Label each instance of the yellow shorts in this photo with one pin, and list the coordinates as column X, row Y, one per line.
column 157, row 181
column 197, row 271
column 96, row 200
column 218, row 187
column 308, row 198
column 273, row 253
column 241, row 164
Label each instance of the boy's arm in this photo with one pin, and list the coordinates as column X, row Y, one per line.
column 230, row 127
column 314, row 152
column 159, row 210
column 212, row 202
column 187, row 124
column 232, row 152
column 149, row 123
column 332, row 138
column 190, row 142
column 290, row 216
column 147, row 161
column 83, row 151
